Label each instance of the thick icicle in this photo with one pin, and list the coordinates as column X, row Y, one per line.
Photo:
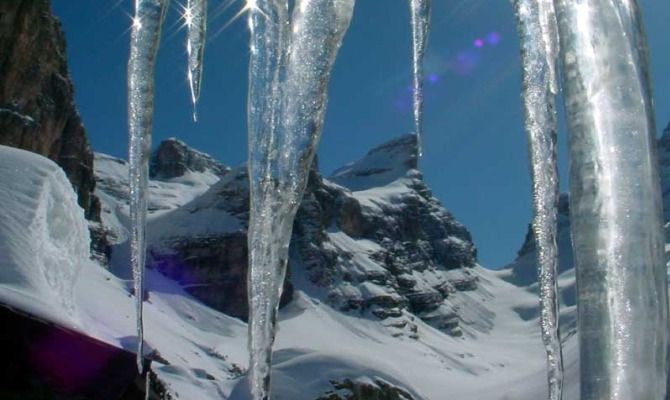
column 144, row 41
column 420, row 18
column 615, row 202
column 537, row 32
column 268, row 22
column 287, row 102
column 196, row 22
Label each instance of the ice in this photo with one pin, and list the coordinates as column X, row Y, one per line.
column 537, row 32
column 420, row 18
column 287, row 102
column 615, row 201
column 268, row 22
column 144, row 41
column 42, row 230
column 196, row 22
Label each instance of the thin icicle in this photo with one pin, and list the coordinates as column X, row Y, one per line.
column 420, row 18
column 144, row 41
column 196, row 22
column 615, row 201
column 537, row 32
column 288, row 94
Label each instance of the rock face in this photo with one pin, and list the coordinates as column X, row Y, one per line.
column 173, row 158
column 379, row 242
column 37, row 111
column 371, row 239
column 365, row 390
column 524, row 269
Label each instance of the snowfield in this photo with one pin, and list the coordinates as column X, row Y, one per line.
column 46, row 271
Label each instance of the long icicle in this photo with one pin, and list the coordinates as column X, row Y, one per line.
column 269, row 23
column 420, row 19
column 281, row 154
column 196, row 23
column 144, row 41
column 615, row 201
column 537, row 32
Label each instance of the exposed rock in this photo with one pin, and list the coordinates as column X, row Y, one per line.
column 372, row 239
column 173, row 158
column 37, row 110
column 213, row 270
column 411, row 242
column 365, row 390
column 523, row 271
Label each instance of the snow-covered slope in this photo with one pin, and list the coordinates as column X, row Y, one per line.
column 45, row 271
column 179, row 174
column 376, row 265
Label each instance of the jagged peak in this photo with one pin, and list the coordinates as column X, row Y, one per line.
column 173, row 158
column 381, row 165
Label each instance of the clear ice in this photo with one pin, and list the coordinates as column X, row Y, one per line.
column 420, row 19
column 196, row 23
column 615, row 202
column 144, row 41
column 290, row 69
column 537, row 32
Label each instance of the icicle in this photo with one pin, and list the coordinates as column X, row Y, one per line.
column 268, row 22
column 196, row 22
column 537, row 20
column 144, row 41
column 420, row 18
column 615, row 202
column 287, row 101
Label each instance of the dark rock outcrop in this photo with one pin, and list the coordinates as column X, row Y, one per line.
column 173, row 158
column 365, row 390
column 37, row 110
column 372, row 239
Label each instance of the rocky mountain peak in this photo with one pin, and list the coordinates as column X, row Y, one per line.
column 173, row 158
column 381, row 165
column 374, row 243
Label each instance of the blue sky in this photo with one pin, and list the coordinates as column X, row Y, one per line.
column 475, row 156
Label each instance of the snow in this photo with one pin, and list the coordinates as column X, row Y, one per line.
column 166, row 218
column 500, row 355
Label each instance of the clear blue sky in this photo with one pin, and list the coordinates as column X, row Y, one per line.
column 474, row 146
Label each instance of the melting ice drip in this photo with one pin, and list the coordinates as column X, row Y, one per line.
column 615, row 197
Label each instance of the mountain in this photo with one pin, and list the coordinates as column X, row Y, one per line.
column 377, row 243
column 37, row 110
column 384, row 299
